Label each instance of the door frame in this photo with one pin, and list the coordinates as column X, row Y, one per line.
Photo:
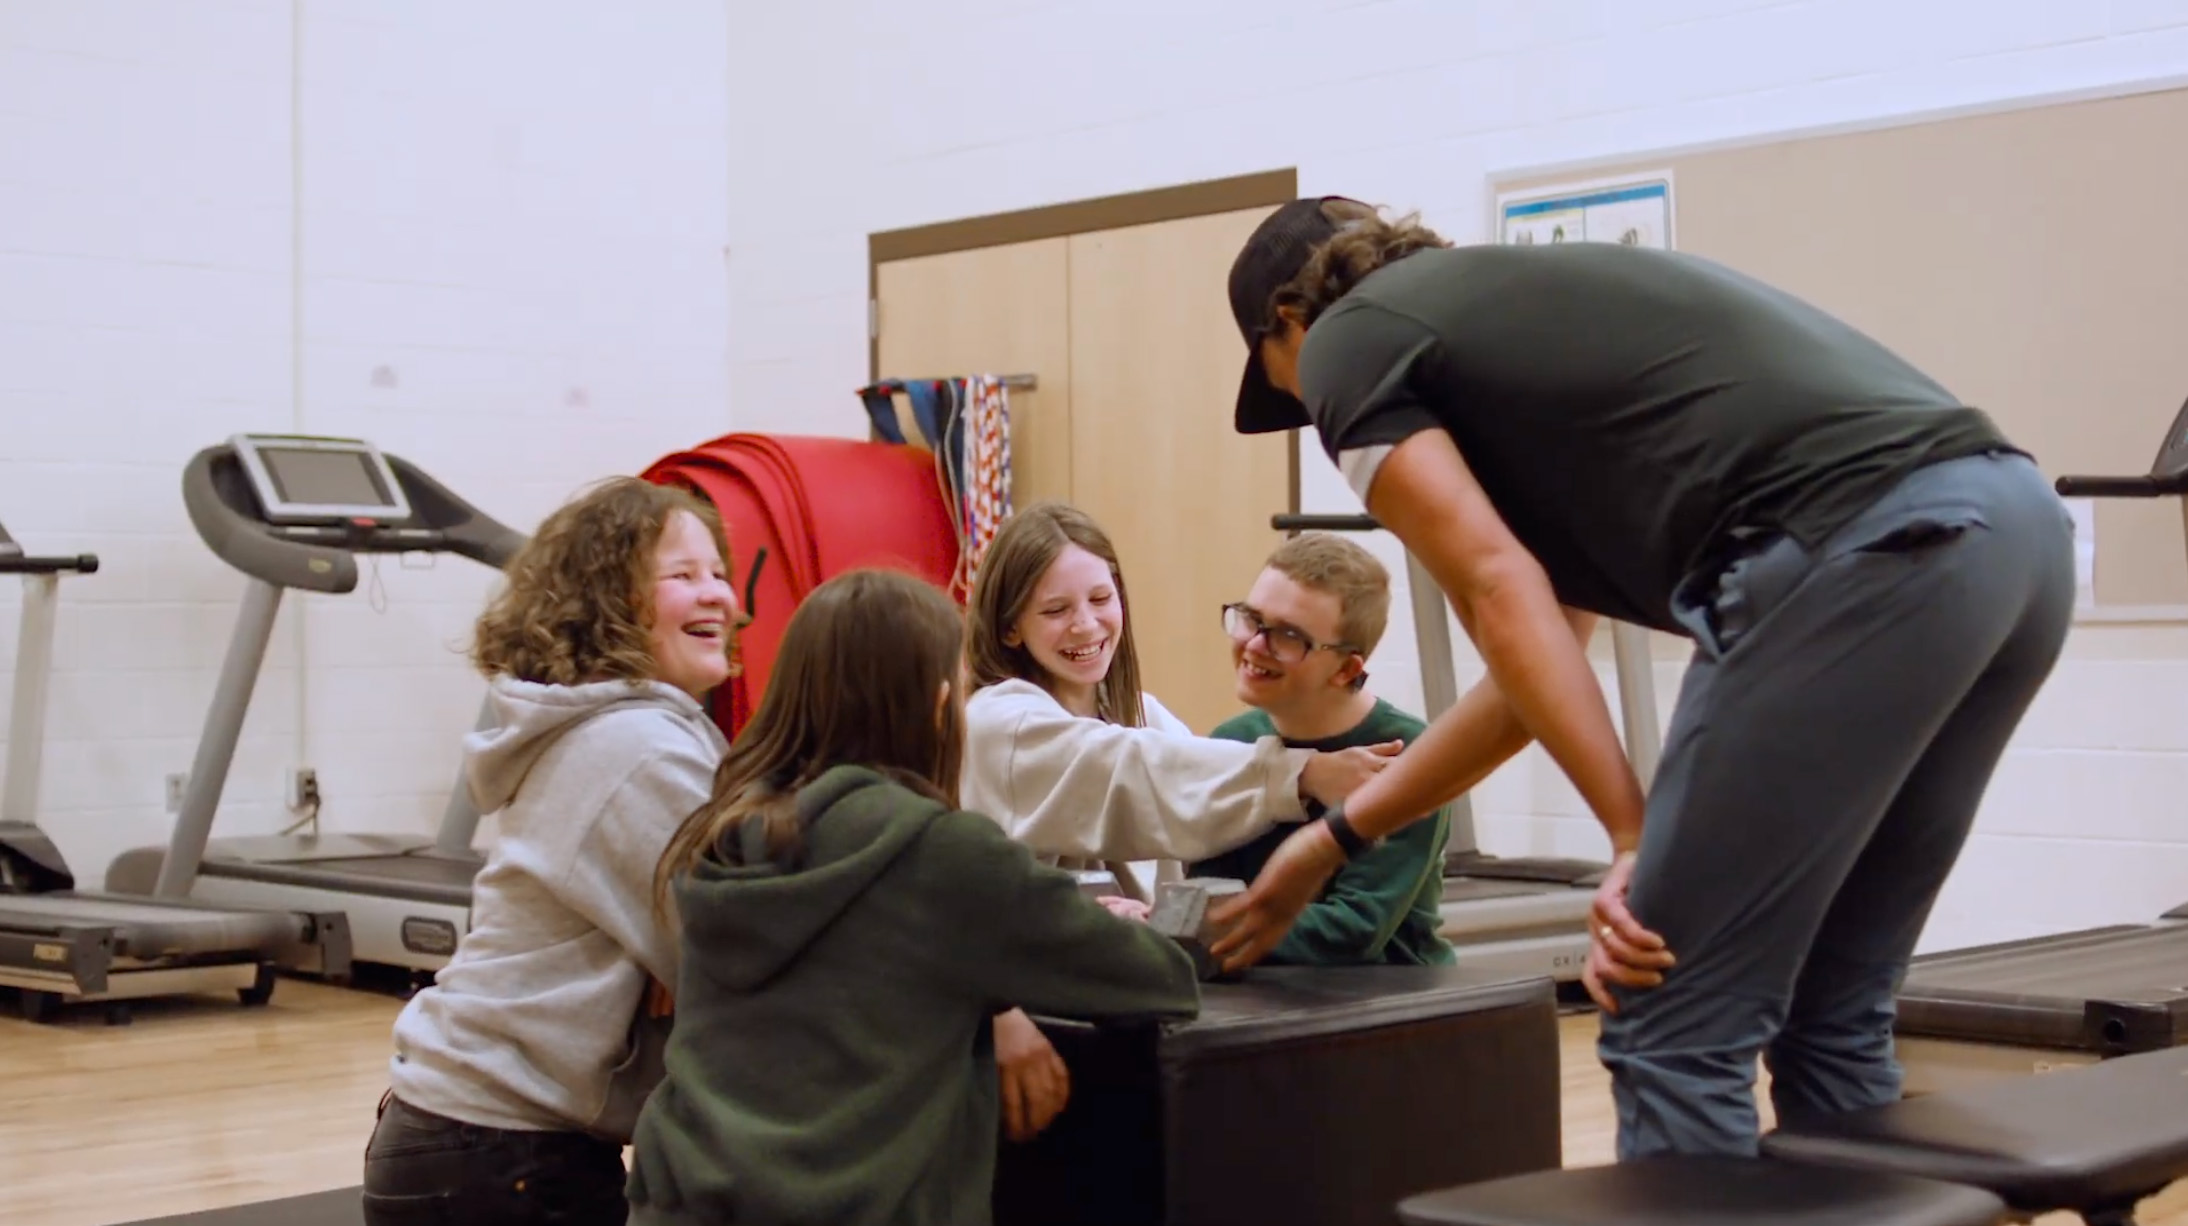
column 1265, row 189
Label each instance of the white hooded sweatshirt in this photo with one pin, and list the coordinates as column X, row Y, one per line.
column 530, row 1023
column 1079, row 790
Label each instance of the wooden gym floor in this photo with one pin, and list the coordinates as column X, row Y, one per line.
column 200, row 1105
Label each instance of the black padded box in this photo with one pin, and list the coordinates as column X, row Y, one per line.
column 1301, row 1095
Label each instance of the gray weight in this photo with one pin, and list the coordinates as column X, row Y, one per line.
column 1181, row 913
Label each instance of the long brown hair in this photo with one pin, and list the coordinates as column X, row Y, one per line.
column 1364, row 242
column 856, row 681
column 1027, row 544
column 578, row 596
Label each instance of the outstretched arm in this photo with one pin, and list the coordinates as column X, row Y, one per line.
column 1066, row 786
column 1031, row 940
column 1426, row 495
column 1450, row 758
column 1353, row 921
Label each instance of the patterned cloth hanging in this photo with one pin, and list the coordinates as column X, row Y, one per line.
column 985, row 487
column 966, row 424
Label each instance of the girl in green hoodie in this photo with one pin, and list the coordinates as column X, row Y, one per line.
column 848, row 933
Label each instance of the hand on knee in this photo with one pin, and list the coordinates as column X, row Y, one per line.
column 1621, row 952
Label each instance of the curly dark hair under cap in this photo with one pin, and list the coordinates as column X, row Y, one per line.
column 579, row 596
column 1365, row 241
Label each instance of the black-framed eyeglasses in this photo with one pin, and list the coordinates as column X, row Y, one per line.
column 1286, row 643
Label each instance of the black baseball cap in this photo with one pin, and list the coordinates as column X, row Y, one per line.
column 1273, row 254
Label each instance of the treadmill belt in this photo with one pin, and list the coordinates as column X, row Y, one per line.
column 1478, row 889
column 340, row 1207
column 149, row 930
column 426, row 879
column 429, row 870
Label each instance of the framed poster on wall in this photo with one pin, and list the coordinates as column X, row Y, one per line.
column 1635, row 211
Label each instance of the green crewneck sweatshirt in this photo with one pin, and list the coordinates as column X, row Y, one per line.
column 1382, row 907
column 832, row 1058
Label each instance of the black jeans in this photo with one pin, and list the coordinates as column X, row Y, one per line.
column 423, row 1169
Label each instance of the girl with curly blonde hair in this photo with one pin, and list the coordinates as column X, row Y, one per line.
column 518, row 1074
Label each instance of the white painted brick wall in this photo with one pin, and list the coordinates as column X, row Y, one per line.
column 516, row 211
column 956, row 108
column 513, row 272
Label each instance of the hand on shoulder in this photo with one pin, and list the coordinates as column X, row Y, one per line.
column 1332, row 775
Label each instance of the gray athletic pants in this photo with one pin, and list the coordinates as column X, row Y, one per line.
column 1834, row 735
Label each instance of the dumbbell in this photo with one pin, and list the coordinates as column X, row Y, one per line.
column 1181, row 913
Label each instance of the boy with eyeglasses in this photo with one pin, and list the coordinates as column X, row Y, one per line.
column 1299, row 647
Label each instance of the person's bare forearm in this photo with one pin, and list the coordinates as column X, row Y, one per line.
column 1550, row 689
column 1453, row 754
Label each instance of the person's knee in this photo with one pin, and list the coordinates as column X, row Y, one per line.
column 1683, row 1101
column 1845, row 1064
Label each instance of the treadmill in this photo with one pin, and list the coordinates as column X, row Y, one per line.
column 2032, row 1006
column 295, row 511
column 1511, row 915
column 62, row 946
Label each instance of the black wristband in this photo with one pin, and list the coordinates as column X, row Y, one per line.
column 1340, row 828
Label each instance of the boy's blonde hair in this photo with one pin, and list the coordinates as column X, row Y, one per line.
column 1329, row 563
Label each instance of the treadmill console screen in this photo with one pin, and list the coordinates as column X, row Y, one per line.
column 307, row 480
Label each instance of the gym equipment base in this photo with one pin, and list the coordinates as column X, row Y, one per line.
column 1301, row 1096
column 2008, row 1010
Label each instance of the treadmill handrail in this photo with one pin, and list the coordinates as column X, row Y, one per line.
column 472, row 533
column 25, row 564
column 2144, row 485
column 1324, row 523
column 254, row 548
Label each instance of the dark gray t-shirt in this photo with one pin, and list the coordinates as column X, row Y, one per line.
column 1626, row 409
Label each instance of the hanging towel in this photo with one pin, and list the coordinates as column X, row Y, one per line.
column 966, row 424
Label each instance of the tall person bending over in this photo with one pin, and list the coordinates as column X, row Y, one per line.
column 1876, row 581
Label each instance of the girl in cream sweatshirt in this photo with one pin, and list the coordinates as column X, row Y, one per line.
column 1066, row 750
column 1078, row 764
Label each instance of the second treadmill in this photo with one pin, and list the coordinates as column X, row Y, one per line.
column 62, row 946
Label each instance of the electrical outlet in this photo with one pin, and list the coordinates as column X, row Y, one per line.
column 176, row 783
column 303, row 788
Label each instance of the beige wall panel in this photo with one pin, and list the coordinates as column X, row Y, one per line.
column 1155, row 362
column 990, row 310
